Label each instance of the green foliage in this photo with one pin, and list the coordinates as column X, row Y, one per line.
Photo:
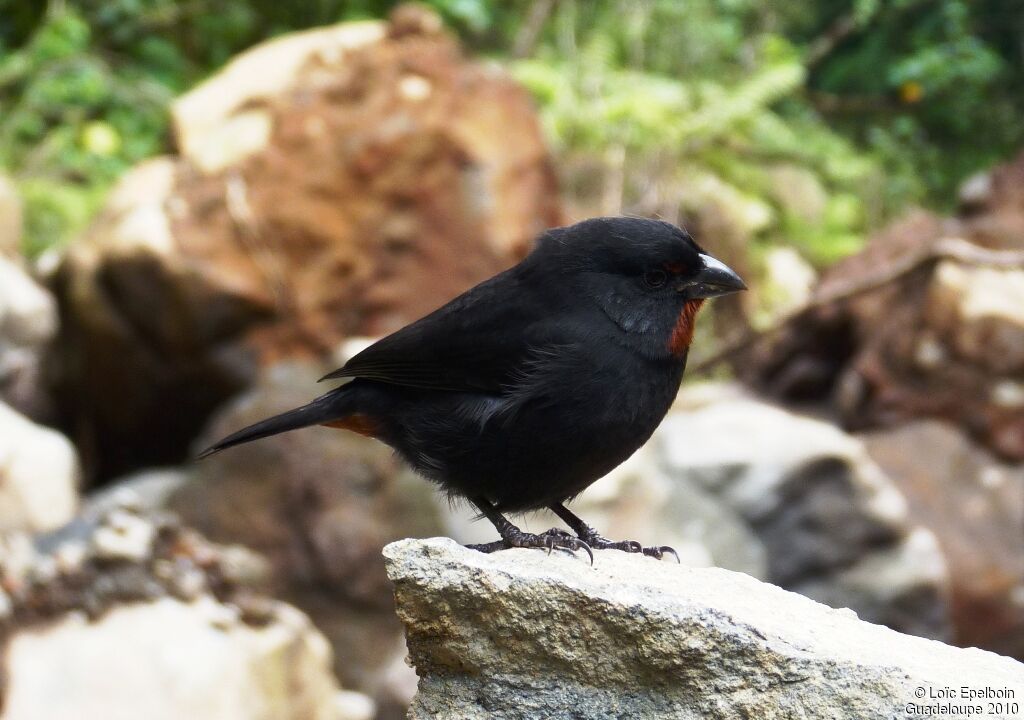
column 706, row 137
column 71, row 121
column 661, row 106
column 935, row 89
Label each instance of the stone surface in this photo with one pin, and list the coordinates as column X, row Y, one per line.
column 319, row 504
column 798, row 502
column 38, row 475
column 124, row 613
column 170, row 660
column 519, row 634
column 28, row 322
column 338, row 182
column 147, row 491
column 975, row 507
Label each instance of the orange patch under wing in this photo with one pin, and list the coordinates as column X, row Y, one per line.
column 357, row 423
column 682, row 333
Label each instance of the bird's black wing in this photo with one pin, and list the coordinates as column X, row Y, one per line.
column 478, row 342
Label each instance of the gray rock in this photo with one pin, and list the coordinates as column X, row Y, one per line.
column 519, row 634
column 798, row 502
column 146, row 491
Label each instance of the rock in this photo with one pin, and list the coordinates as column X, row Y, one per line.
column 38, row 475
column 123, row 537
column 978, row 313
column 169, row 659
column 332, row 183
column 95, row 564
column 10, row 219
column 147, row 491
column 975, row 507
column 319, row 504
column 216, row 125
column 798, row 502
column 349, row 705
column 519, row 634
column 28, row 322
column 925, row 322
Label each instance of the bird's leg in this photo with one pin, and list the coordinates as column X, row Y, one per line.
column 592, row 538
column 511, row 536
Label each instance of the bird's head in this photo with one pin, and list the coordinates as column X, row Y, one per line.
column 648, row 276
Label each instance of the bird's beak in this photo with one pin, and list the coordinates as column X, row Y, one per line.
column 714, row 280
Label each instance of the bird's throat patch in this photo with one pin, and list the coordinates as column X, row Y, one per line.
column 682, row 333
column 357, row 423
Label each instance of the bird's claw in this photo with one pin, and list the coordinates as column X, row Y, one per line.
column 631, row 546
column 553, row 539
column 659, row 551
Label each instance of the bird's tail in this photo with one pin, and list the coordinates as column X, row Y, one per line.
column 326, row 408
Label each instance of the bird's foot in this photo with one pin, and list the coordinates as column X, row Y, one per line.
column 596, row 541
column 553, row 539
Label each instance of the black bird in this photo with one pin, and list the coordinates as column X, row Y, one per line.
column 524, row 390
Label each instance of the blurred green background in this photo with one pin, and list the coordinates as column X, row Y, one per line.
column 865, row 107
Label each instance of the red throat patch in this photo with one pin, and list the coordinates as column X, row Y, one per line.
column 682, row 333
column 357, row 423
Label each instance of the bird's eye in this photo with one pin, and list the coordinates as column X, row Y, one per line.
column 655, row 278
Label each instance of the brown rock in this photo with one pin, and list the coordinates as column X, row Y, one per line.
column 927, row 321
column 975, row 507
column 337, row 182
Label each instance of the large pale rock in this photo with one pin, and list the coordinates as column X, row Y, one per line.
column 124, row 613
column 28, row 322
column 798, row 502
column 519, row 634
column 38, row 475
column 342, row 181
column 975, row 507
column 170, row 660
